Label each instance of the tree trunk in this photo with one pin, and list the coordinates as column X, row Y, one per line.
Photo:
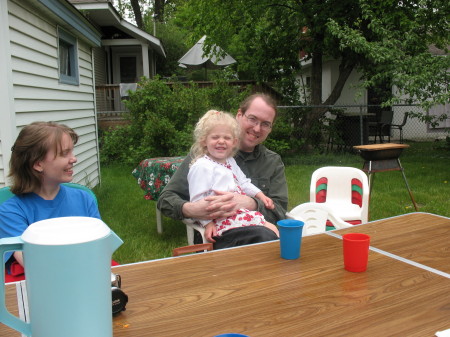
column 137, row 13
column 159, row 10
column 311, row 119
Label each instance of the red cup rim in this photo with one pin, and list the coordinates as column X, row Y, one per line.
column 356, row 237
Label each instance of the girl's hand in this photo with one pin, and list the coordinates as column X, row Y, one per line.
column 210, row 231
column 268, row 203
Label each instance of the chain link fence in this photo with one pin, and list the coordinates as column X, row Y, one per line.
column 349, row 125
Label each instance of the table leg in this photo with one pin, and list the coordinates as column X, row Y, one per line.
column 407, row 186
column 158, row 221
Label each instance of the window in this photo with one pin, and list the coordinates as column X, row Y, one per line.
column 128, row 69
column 67, row 58
column 308, row 81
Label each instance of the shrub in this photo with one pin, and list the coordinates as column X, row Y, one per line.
column 162, row 118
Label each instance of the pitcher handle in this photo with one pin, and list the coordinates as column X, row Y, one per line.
column 10, row 244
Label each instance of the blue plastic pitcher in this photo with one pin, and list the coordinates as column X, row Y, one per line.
column 67, row 265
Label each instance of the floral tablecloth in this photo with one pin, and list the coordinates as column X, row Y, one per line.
column 153, row 174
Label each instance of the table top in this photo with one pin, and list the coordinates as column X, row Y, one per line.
column 153, row 174
column 377, row 147
column 417, row 237
column 251, row 290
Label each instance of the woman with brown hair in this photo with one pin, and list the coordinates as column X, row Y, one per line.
column 42, row 159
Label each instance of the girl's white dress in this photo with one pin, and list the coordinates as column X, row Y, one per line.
column 206, row 176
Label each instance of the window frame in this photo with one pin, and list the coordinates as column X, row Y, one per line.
column 70, row 41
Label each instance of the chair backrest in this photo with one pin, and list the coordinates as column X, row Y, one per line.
column 84, row 188
column 336, row 184
column 405, row 119
column 5, row 192
column 386, row 117
column 315, row 216
column 201, row 247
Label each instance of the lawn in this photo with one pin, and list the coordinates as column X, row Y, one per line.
column 124, row 209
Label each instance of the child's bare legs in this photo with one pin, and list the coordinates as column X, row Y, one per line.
column 272, row 227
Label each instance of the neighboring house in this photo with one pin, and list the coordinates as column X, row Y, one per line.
column 353, row 95
column 125, row 55
column 48, row 49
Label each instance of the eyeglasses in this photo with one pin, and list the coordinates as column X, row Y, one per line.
column 266, row 126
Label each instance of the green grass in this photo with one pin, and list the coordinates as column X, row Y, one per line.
column 124, row 209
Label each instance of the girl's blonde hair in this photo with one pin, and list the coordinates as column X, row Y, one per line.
column 203, row 128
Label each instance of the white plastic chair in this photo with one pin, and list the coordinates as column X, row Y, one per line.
column 190, row 227
column 341, row 189
column 315, row 216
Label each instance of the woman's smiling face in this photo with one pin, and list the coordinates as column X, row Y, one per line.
column 57, row 167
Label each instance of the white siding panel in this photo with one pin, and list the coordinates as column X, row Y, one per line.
column 32, row 43
column 85, row 81
column 85, row 167
column 32, row 80
column 21, row 51
column 36, row 70
column 85, row 172
column 84, row 152
column 84, row 55
column 2, row 169
column 28, row 17
column 74, row 118
column 82, row 122
column 86, row 141
column 85, row 68
column 43, row 94
column 86, row 130
column 32, row 105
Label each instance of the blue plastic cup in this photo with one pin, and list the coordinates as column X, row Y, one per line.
column 231, row 335
column 290, row 238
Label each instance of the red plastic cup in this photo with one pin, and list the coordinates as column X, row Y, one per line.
column 356, row 251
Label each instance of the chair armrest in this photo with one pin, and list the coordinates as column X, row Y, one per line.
column 192, row 249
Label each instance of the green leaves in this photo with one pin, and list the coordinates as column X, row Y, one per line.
column 162, row 117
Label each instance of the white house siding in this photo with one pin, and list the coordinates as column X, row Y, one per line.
column 38, row 95
column 352, row 94
column 6, row 97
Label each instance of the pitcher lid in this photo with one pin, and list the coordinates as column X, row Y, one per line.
column 65, row 231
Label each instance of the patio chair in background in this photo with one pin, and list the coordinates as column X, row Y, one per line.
column 386, row 128
column 315, row 216
column 378, row 128
column 344, row 190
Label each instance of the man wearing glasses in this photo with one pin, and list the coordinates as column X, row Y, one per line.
column 264, row 167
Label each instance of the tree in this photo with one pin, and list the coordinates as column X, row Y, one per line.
column 137, row 12
column 141, row 9
column 387, row 40
column 404, row 44
column 154, row 17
